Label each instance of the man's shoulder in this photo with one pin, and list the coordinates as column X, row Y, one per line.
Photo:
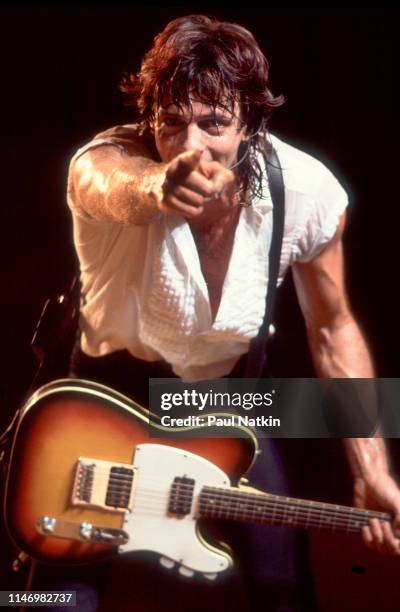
column 314, row 202
column 127, row 138
column 126, row 132
column 303, row 173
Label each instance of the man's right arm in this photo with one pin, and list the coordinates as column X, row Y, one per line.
column 110, row 184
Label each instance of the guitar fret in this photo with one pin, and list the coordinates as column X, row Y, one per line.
column 258, row 507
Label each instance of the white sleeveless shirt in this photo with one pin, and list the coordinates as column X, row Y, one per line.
column 143, row 285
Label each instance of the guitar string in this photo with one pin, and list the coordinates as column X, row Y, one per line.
column 283, row 515
column 271, row 509
column 305, row 517
column 278, row 519
column 284, row 500
column 282, row 522
column 240, row 496
column 243, row 494
column 256, row 509
column 246, row 499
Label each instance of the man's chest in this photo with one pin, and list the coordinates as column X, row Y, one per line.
column 214, row 248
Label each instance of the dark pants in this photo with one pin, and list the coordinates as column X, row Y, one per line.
column 271, row 563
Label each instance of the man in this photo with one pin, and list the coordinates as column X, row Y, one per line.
column 172, row 222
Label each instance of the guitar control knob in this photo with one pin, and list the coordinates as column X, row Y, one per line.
column 185, row 571
column 85, row 530
column 210, row 576
column 47, row 524
column 168, row 563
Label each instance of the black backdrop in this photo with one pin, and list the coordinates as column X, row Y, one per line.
column 338, row 69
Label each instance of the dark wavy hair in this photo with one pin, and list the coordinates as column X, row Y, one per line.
column 218, row 63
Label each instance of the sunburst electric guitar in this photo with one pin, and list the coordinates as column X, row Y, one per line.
column 86, row 480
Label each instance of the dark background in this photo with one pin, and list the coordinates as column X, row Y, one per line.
column 338, row 69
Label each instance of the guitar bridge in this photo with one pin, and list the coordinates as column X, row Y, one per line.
column 81, row 532
column 103, row 484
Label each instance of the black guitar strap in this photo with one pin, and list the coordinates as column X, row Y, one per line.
column 256, row 358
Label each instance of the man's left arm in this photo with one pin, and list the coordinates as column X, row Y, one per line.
column 339, row 350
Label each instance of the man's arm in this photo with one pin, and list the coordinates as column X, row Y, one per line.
column 337, row 345
column 131, row 188
column 340, row 351
column 112, row 185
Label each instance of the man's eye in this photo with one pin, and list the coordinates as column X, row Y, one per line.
column 212, row 126
column 171, row 122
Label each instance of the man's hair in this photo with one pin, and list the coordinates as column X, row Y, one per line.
column 217, row 63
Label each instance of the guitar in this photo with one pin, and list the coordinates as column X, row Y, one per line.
column 85, row 480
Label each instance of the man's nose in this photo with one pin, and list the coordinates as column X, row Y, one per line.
column 193, row 138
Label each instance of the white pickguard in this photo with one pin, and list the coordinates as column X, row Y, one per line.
column 149, row 525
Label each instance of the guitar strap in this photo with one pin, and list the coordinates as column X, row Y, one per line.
column 256, row 357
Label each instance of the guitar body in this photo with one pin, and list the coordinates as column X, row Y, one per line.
column 68, row 436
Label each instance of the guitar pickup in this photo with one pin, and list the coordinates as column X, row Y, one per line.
column 181, row 496
column 103, row 484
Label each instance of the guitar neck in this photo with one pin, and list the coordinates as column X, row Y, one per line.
column 234, row 504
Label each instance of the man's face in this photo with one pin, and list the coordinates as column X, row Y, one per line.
column 215, row 131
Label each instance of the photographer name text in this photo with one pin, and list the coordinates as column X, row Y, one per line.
column 212, row 420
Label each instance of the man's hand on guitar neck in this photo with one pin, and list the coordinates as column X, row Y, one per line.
column 380, row 492
column 375, row 488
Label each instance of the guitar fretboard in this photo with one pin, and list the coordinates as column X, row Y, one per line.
column 233, row 504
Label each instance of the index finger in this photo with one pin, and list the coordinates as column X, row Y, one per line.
column 185, row 164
